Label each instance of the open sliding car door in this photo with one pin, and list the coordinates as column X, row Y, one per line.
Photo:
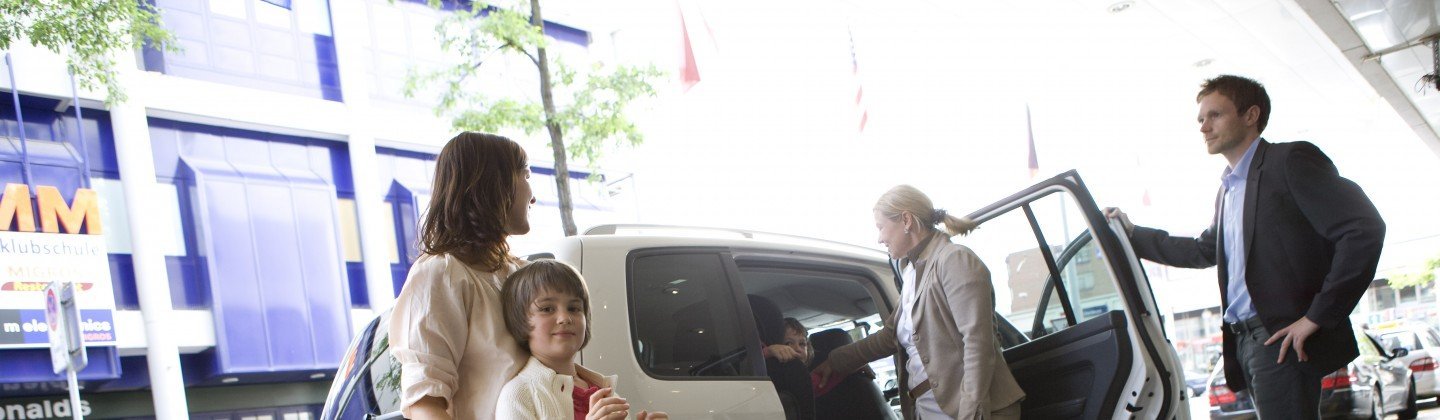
column 1068, row 279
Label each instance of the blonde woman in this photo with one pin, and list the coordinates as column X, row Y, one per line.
column 944, row 330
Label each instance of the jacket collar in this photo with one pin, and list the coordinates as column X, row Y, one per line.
column 562, row 383
column 923, row 252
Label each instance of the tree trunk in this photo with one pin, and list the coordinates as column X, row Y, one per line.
column 557, row 142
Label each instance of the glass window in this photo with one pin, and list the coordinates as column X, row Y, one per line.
column 1025, row 291
column 691, row 319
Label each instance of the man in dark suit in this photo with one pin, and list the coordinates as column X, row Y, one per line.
column 1295, row 243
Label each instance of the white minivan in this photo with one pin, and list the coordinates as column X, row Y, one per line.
column 671, row 311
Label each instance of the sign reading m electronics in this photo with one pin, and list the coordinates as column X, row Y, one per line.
column 67, row 247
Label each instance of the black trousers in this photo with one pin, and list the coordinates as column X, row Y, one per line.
column 1286, row 390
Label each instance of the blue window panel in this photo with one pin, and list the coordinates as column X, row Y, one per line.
column 189, row 282
column 264, row 215
column 235, row 47
column 33, row 365
column 122, row 280
column 359, row 295
column 409, row 175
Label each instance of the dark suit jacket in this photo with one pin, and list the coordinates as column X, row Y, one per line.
column 1312, row 241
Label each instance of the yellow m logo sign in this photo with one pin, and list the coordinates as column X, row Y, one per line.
column 83, row 212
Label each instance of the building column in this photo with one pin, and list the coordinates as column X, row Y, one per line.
column 152, row 283
column 350, row 25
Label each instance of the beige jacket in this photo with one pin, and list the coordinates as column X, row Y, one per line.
column 449, row 336
column 954, row 333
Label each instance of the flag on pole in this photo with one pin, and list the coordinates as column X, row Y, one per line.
column 689, row 69
column 861, row 110
column 1030, row 132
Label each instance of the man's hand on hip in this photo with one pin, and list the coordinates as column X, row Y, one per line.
column 1294, row 336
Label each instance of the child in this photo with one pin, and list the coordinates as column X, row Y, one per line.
column 547, row 309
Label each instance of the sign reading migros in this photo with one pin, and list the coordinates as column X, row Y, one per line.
column 67, row 246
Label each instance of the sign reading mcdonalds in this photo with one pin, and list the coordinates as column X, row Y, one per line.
column 67, row 246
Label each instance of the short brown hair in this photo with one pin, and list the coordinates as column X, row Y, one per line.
column 524, row 284
column 794, row 325
column 1243, row 92
column 470, row 200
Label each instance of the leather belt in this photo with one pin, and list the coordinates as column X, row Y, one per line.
column 919, row 390
column 1245, row 326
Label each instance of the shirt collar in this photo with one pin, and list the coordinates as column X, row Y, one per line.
column 1242, row 168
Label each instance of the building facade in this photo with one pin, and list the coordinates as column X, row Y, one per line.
column 259, row 195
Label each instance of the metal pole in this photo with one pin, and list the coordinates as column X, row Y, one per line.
column 20, row 123
column 80, row 133
column 152, row 282
column 74, row 393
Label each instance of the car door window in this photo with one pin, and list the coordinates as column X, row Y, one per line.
column 1028, row 248
column 687, row 319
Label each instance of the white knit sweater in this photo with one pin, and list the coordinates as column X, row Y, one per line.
column 539, row 393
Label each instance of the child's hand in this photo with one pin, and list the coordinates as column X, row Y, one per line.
column 782, row 353
column 605, row 406
column 658, row 415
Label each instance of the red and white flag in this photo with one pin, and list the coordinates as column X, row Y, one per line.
column 689, row 65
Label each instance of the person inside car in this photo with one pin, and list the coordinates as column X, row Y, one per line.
column 446, row 330
column 798, row 340
column 547, row 310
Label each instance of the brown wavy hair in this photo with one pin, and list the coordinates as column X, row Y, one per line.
column 471, row 197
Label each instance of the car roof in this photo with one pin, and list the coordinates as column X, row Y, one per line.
column 653, row 236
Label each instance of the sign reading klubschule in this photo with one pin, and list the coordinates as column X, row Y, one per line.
column 67, row 247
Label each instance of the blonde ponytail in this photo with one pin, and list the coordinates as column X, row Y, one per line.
column 907, row 199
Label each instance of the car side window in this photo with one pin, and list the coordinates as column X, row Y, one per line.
column 1027, row 249
column 687, row 319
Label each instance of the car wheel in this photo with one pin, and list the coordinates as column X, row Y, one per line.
column 1411, row 409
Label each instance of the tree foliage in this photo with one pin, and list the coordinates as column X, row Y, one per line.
column 1425, row 275
column 586, row 114
column 86, row 32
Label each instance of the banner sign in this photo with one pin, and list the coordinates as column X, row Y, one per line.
column 29, row 261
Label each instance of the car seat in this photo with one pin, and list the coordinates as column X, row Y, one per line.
column 856, row 396
column 791, row 379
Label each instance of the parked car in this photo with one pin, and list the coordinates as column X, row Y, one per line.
column 1372, row 386
column 672, row 313
column 1417, row 345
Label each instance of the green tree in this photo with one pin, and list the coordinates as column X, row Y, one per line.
column 1424, row 276
column 582, row 113
column 86, row 32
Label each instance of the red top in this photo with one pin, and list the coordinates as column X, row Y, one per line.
column 582, row 400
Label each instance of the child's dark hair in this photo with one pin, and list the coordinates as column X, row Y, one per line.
column 529, row 281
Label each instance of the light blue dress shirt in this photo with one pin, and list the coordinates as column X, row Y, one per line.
column 1232, row 223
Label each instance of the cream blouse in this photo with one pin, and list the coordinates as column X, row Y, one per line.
column 448, row 333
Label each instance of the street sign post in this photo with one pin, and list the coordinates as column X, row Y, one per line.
column 67, row 345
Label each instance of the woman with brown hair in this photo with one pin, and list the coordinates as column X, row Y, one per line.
column 447, row 329
column 943, row 333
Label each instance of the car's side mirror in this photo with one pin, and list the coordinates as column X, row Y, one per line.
column 1399, row 352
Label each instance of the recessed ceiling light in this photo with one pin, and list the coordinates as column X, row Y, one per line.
column 1121, row 6
column 1204, row 62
